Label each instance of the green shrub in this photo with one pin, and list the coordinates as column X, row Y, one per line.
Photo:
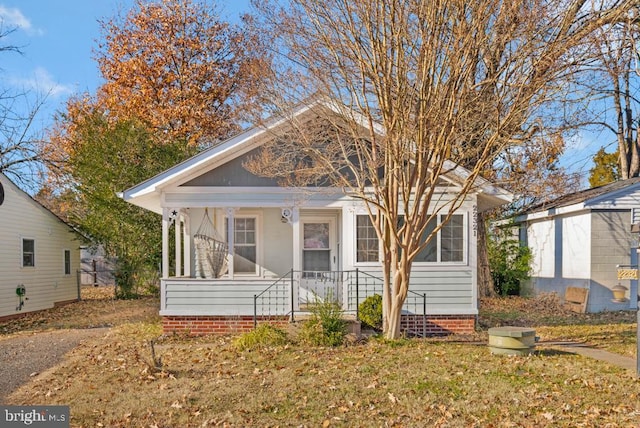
column 124, row 277
column 326, row 327
column 509, row 261
column 370, row 312
column 263, row 336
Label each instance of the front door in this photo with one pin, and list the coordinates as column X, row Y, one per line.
column 319, row 260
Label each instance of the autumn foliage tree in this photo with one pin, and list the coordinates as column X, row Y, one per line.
column 176, row 78
column 178, row 68
column 118, row 154
column 533, row 173
column 419, row 83
column 605, row 169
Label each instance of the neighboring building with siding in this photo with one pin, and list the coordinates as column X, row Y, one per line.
column 280, row 247
column 39, row 254
column 580, row 240
column 95, row 267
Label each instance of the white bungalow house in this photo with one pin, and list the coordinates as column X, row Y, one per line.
column 39, row 255
column 582, row 240
column 283, row 247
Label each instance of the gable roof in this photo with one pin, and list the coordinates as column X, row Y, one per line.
column 27, row 197
column 595, row 197
column 147, row 193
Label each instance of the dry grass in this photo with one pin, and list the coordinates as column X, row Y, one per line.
column 613, row 331
column 97, row 308
column 206, row 381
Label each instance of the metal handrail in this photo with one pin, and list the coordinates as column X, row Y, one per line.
column 424, row 311
column 276, row 282
column 353, row 280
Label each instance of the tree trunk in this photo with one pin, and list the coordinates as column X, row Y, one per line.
column 395, row 316
column 398, row 289
column 486, row 287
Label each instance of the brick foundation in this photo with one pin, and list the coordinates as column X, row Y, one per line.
column 410, row 324
column 215, row 324
column 438, row 325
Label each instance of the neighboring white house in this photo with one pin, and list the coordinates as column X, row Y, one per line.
column 277, row 248
column 39, row 255
column 580, row 239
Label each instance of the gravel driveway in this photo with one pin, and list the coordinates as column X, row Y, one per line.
column 24, row 356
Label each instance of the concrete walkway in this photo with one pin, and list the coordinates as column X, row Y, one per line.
column 597, row 354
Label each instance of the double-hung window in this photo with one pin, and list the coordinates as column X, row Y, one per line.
column 28, row 252
column 447, row 246
column 67, row 262
column 245, row 245
column 367, row 245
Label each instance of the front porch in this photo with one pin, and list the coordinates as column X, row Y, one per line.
column 224, row 306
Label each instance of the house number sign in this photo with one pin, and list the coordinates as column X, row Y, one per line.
column 475, row 220
column 627, row 273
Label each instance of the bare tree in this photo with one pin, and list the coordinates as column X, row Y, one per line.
column 617, row 86
column 419, row 84
column 21, row 148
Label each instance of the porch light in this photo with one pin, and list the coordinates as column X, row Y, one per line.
column 287, row 215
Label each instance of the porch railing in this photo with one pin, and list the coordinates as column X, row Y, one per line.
column 279, row 298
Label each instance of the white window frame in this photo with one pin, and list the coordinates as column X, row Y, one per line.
column 355, row 246
column 22, row 253
column 465, row 242
column 64, row 262
column 438, row 262
column 258, row 235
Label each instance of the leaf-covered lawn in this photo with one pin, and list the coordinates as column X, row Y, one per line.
column 206, row 381
column 98, row 308
column 612, row 331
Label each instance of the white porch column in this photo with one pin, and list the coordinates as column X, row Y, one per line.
column 187, row 245
column 297, row 249
column 297, row 259
column 231, row 240
column 178, row 238
column 165, row 242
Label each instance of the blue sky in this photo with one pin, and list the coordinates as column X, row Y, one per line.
column 57, row 38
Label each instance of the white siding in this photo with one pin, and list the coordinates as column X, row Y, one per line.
column 277, row 244
column 541, row 241
column 449, row 288
column 622, row 199
column 45, row 283
column 208, row 297
column 576, row 246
